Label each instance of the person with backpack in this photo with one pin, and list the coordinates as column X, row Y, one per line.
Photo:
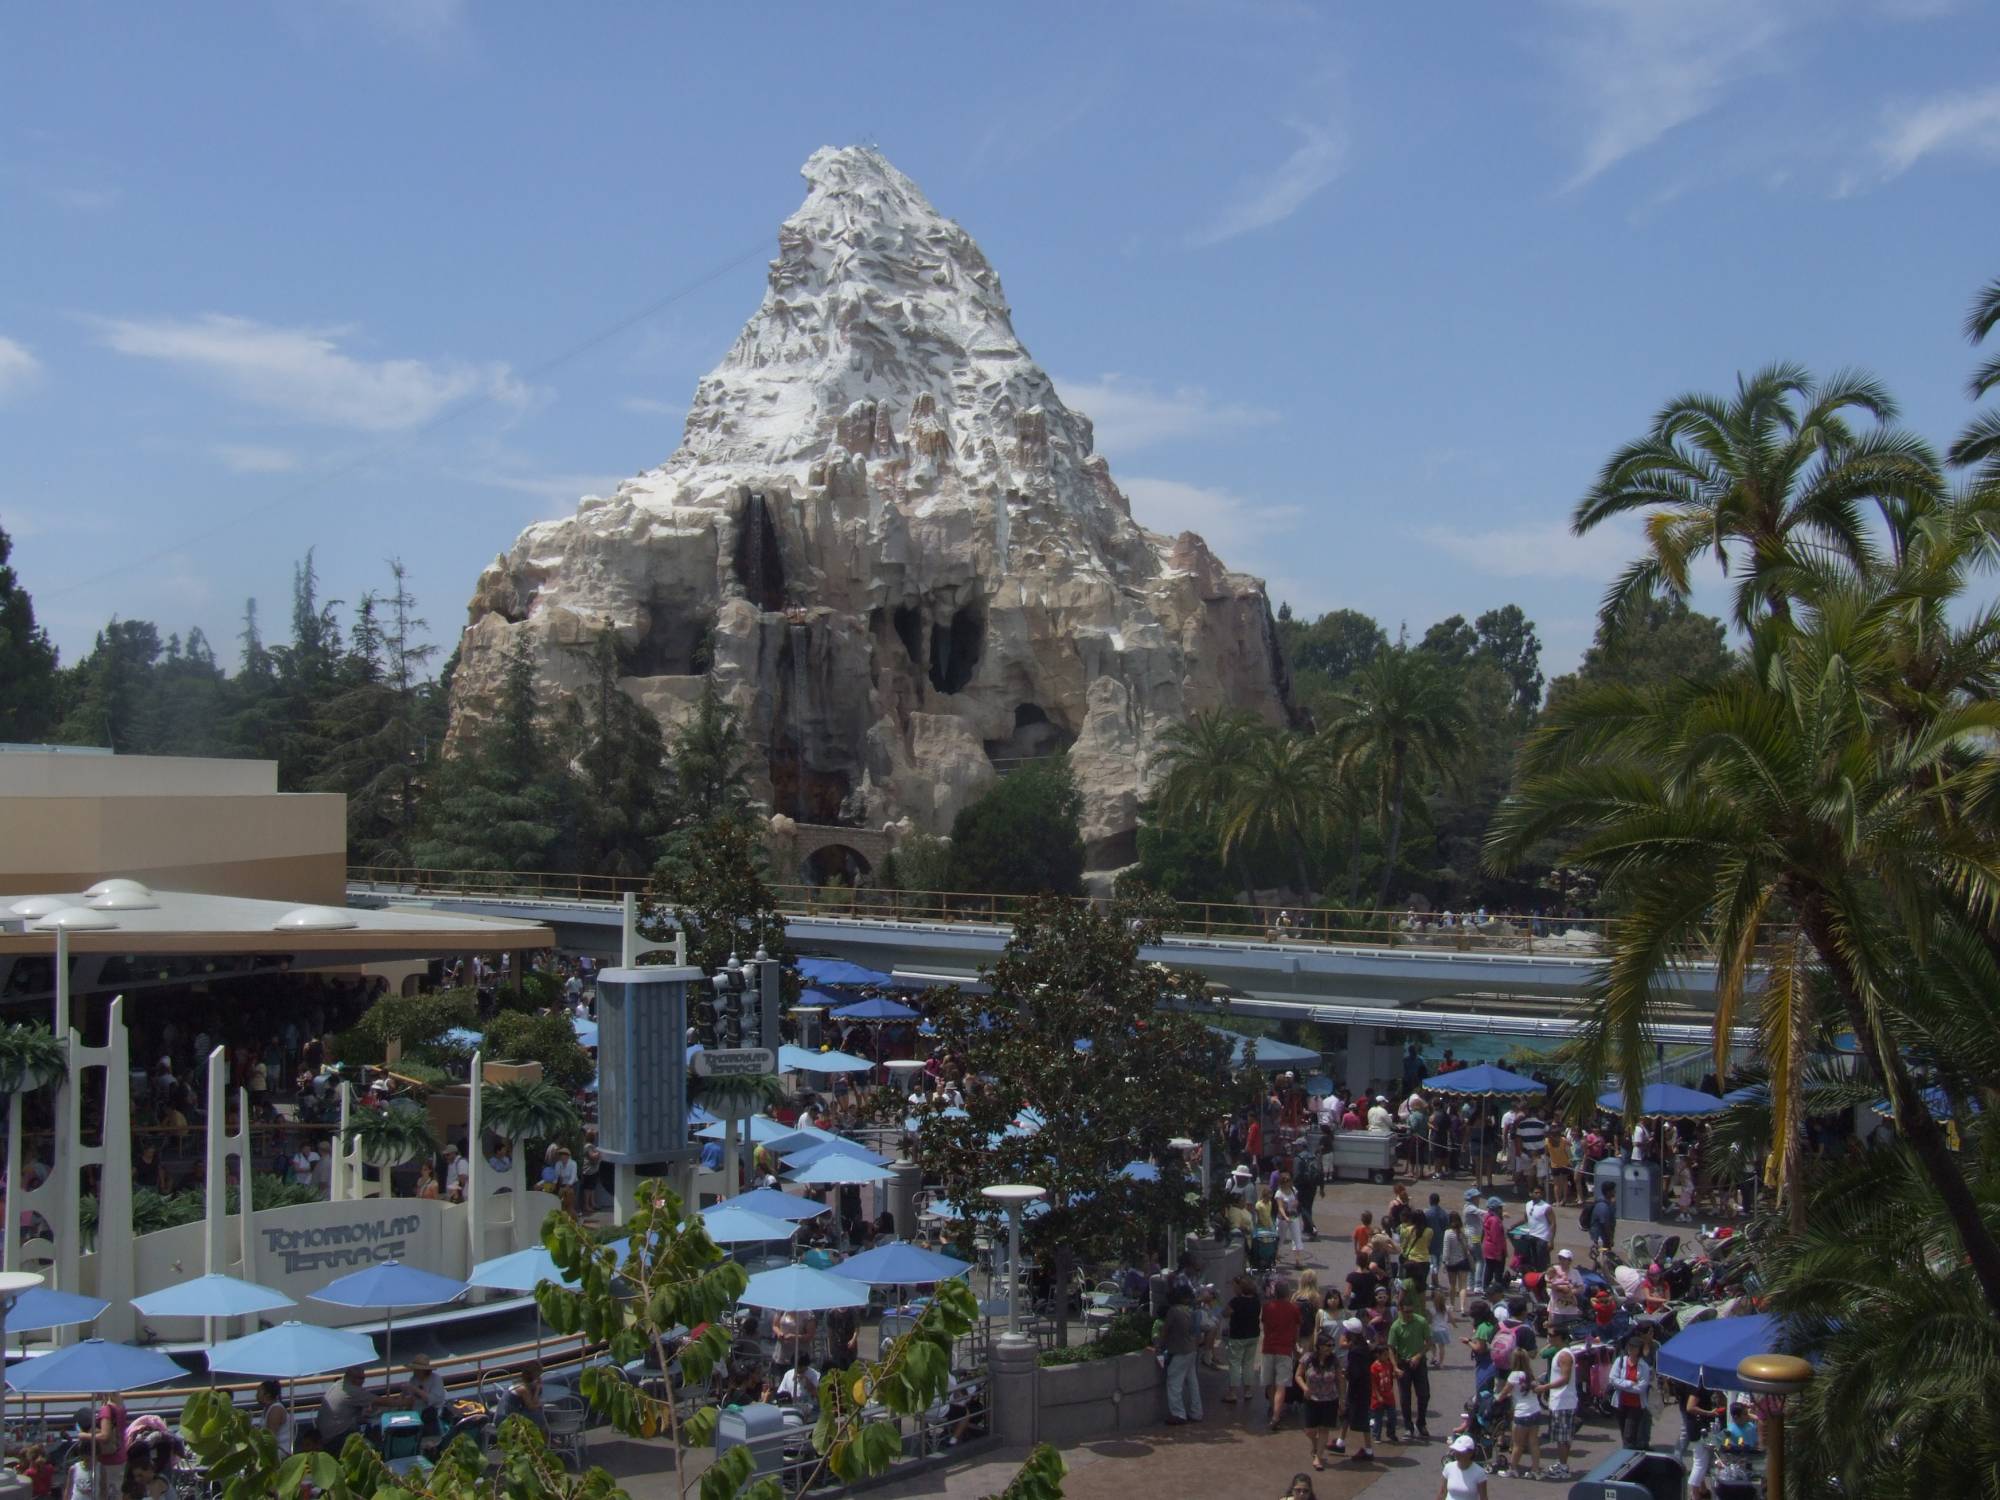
column 1307, row 1177
column 1493, row 1247
column 1601, row 1220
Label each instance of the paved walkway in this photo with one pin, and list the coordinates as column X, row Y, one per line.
column 1231, row 1454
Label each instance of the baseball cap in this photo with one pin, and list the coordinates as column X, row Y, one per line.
column 1463, row 1444
column 1472, row 1195
column 1494, row 1203
column 451, row 1150
column 1354, row 1325
column 1565, row 1255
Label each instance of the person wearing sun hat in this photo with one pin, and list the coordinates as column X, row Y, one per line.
column 1464, row 1478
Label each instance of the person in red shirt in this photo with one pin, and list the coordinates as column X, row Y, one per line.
column 1253, row 1143
column 1603, row 1306
column 1280, row 1347
column 1382, row 1396
column 1363, row 1233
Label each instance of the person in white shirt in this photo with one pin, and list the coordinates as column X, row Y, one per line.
column 1641, row 1138
column 1563, row 1390
column 1380, row 1121
column 1329, row 1112
column 457, row 1175
column 1538, row 1219
column 800, row 1384
column 1463, row 1479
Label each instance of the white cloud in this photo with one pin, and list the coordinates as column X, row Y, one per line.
column 429, row 23
column 1129, row 415
column 1539, row 549
column 304, row 373
column 1265, row 198
column 556, row 490
column 1635, row 71
column 253, row 458
column 87, row 200
column 1966, row 122
column 652, row 406
column 1222, row 517
column 18, row 368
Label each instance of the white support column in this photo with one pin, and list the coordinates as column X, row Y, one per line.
column 476, row 1187
column 340, row 1186
column 214, row 1256
column 10, row 1259
column 63, row 1209
column 113, row 1156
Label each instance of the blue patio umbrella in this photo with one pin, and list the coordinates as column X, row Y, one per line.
column 699, row 1116
column 1485, row 1081
column 389, row 1284
column 1271, row 1053
column 944, row 1208
column 875, row 1008
column 803, row 1289
column 212, row 1296
column 586, row 1030
column 793, row 1059
column 522, row 1271
column 899, row 1263
column 836, row 1170
column 292, row 1351
column 1751, row 1093
column 1707, row 1353
column 91, row 1366
column 1937, row 1104
column 1668, row 1100
column 806, row 1156
column 1139, row 1171
column 776, row 1205
column 729, row 1225
column 1319, row 1086
column 802, row 1138
column 462, row 1036
column 42, row 1307
column 763, row 1130
column 839, row 971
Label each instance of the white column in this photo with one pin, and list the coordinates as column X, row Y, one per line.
column 215, row 1257
column 115, row 1254
column 476, row 1187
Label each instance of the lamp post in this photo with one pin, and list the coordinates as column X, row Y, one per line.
column 1014, row 1196
column 1771, row 1378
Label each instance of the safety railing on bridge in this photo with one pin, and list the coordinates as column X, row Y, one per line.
column 1449, row 932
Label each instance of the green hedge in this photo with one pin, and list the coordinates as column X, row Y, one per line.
column 1128, row 1333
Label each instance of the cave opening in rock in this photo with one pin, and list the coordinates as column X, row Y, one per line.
column 677, row 643
column 803, row 791
column 909, row 623
column 833, row 864
column 760, row 567
column 1035, row 735
column 955, row 649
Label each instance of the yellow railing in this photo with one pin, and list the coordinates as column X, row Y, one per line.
column 1503, row 932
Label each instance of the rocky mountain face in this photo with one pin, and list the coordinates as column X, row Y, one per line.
column 889, row 540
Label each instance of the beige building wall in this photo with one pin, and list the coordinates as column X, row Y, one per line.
column 218, row 826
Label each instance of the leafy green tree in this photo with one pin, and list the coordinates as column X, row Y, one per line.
column 1329, row 650
column 1663, row 639
column 1198, row 772
column 920, row 862
column 515, row 1036
column 1773, row 481
column 1148, row 1075
column 1507, row 639
column 713, row 890
column 108, row 695
column 1181, row 861
column 1286, row 793
column 1451, row 641
column 1023, row 837
column 1402, row 716
column 307, row 676
column 28, row 703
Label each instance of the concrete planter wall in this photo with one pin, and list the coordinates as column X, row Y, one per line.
column 1099, row 1398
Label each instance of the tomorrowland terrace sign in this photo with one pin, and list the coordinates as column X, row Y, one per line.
column 361, row 1241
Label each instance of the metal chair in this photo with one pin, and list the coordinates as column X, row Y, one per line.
column 566, row 1421
column 1102, row 1306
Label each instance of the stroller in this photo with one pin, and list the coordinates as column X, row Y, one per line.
column 1264, row 1250
column 1481, row 1424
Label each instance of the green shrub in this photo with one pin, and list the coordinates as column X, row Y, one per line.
column 1127, row 1333
column 549, row 1040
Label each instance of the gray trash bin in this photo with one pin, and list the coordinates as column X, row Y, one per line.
column 762, row 1427
column 1638, row 1191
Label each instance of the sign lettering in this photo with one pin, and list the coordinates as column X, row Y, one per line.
column 734, row 1062
column 328, row 1247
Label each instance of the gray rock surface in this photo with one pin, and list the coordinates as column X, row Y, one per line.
column 893, row 545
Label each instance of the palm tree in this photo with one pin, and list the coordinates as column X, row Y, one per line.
column 1979, row 444
column 1782, row 793
column 1199, row 770
column 1400, row 716
column 1771, row 481
column 529, row 1110
column 1282, row 793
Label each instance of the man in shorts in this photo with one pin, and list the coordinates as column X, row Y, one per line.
column 1281, row 1342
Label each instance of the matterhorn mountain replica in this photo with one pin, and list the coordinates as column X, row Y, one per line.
column 890, row 542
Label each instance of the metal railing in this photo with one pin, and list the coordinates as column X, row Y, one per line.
column 1502, row 932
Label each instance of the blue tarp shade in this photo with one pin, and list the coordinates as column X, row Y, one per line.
column 1666, row 1099
column 1707, row 1353
column 1271, row 1053
column 875, row 1008
column 900, row 1264
column 1484, row 1081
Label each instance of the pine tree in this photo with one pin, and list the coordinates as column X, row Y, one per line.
column 308, row 676
column 707, row 757
column 108, row 697
column 28, row 701
column 621, row 756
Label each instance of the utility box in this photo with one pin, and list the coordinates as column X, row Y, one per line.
column 759, row 1427
column 1638, row 1191
column 1630, row 1474
column 1362, row 1153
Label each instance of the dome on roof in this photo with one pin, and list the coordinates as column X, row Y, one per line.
column 123, row 899
column 106, row 887
column 315, row 919
column 40, row 906
column 74, row 919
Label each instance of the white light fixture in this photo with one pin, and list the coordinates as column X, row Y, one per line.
column 74, row 919
column 1014, row 1197
column 315, row 919
column 106, row 887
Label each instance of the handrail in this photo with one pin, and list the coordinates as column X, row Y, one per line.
column 1262, row 922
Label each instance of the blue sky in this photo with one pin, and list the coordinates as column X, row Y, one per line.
column 1363, row 293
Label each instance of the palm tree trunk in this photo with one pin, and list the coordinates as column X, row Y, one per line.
column 1912, row 1119
column 1354, row 863
column 1395, row 844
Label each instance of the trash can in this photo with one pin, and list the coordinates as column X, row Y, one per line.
column 1638, row 1192
column 1630, row 1474
column 760, row 1426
